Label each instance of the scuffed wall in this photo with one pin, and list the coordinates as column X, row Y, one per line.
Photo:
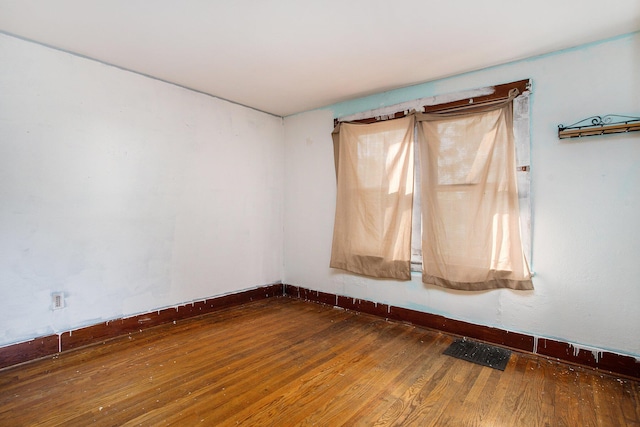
column 125, row 193
column 585, row 203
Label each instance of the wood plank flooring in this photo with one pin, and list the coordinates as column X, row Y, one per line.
column 286, row 362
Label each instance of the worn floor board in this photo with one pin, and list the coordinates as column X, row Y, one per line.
column 283, row 361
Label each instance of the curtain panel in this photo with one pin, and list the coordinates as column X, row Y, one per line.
column 374, row 173
column 470, row 215
column 470, row 235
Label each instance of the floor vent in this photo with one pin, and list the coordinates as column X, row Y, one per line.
column 482, row 354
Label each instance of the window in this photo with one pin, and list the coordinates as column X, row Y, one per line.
column 470, row 244
column 372, row 229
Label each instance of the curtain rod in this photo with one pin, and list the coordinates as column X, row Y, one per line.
column 473, row 105
column 500, row 94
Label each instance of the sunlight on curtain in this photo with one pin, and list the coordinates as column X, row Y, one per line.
column 374, row 171
column 470, row 215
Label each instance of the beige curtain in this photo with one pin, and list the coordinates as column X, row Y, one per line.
column 374, row 167
column 470, row 215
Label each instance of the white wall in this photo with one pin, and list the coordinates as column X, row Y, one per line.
column 126, row 193
column 130, row 195
column 586, row 204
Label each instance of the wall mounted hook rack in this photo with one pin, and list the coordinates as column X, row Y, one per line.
column 600, row 125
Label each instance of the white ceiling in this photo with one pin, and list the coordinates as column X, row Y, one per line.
column 287, row 56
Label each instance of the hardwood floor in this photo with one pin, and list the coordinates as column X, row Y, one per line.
column 285, row 362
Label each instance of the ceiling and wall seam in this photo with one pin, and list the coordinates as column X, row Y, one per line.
column 79, row 55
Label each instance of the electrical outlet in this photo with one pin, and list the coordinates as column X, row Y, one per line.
column 57, row 300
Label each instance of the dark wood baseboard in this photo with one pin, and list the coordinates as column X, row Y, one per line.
column 618, row 364
column 30, row 350
column 53, row 344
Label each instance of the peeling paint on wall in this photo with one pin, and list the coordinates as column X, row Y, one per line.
column 579, row 194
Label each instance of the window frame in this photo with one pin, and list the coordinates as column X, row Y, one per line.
column 487, row 95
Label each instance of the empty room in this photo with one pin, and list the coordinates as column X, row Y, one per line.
column 282, row 213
